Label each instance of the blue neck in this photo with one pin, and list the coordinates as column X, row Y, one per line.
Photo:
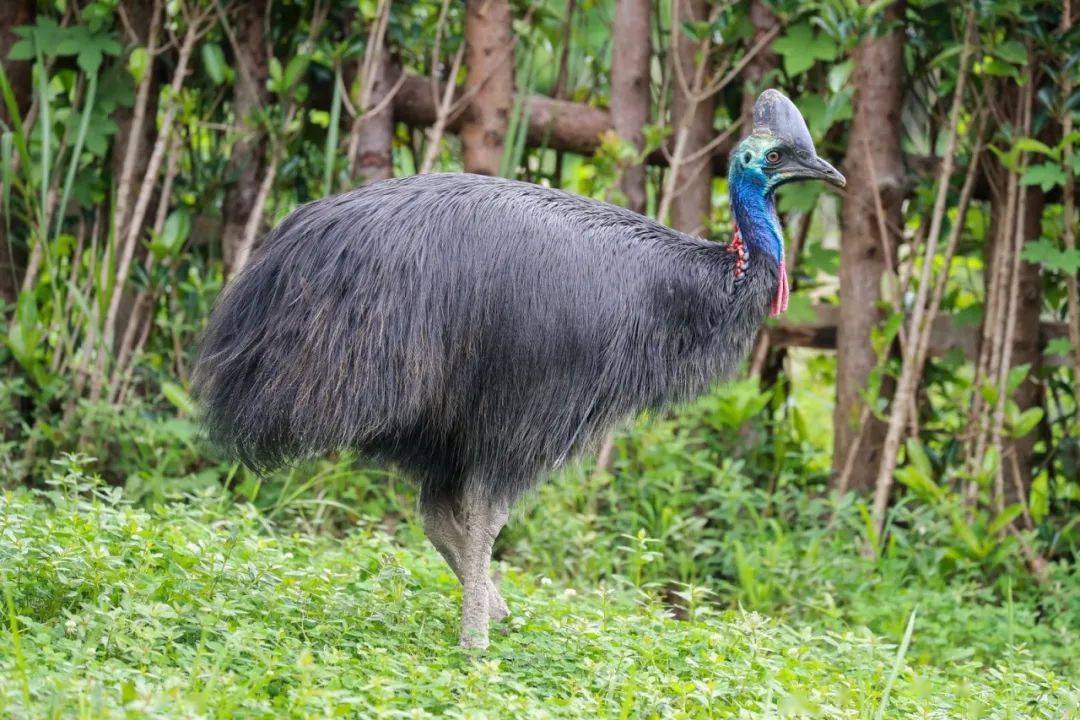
column 755, row 212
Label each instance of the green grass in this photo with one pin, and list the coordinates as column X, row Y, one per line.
column 204, row 609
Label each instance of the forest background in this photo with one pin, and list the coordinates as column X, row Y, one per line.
column 892, row 480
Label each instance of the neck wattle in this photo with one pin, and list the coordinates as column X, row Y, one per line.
column 757, row 222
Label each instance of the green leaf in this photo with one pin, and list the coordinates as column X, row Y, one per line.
column 1046, row 253
column 214, row 62
column 912, row 478
column 801, row 48
column 21, row 50
column 179, row 398
column 1016, row 377
column 917, row 456
column 173, row 235
column 1004, row 518
column 1026, row 422
column 696, row 31
column 1039, row 501
column 998, row 68
column 967, row 535
column 1012, row 51
column 990, row 464
column 138, row 63
column 1058, row 346
column 800, row 309
column 275, row 75
column 1033, row 145
column 1047, row 176
column 294, row 70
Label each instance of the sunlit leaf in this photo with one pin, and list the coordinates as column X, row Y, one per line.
column 801, row 48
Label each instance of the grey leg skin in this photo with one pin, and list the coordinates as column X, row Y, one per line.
column 445, row 532
column 482, row 519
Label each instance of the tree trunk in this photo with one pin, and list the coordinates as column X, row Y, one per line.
column 630, row 55
column 140, row 17
column 247, row 161
column 875, row 173
column 13, row 14
column 373, row 158
column 1026, row 342
column 691, row 205
column 763, row 20
column 489, row 58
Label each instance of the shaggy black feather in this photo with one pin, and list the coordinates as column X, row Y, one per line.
column 469, row 328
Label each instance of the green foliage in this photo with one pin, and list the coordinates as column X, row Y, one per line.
column 801, row 47
column 201, row 589
column 200, row 608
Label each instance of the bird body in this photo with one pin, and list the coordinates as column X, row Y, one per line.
column 462, row 324
column 479, row 331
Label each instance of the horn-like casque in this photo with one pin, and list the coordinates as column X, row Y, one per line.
column 774, row 114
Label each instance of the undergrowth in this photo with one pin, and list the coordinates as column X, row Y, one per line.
column 204, row 607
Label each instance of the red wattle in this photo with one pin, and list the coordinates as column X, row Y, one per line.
column 780, row 300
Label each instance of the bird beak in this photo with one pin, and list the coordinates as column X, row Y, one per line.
column 817, row 169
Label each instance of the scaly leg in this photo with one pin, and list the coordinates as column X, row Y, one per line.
column 445, row 533
column 482, row 519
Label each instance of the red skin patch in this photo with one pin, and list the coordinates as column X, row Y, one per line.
column 739, row 248
column 783, row 292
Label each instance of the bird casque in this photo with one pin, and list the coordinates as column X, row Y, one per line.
column 478, row 332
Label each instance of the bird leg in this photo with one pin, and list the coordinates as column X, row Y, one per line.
column 482, row 517
column 445, row 532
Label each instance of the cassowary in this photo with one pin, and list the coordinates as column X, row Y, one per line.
column 479, row 331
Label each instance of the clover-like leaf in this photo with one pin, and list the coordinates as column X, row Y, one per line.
column 801, row 48
column 1046, row 175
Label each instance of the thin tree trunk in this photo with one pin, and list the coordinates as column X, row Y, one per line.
column 371, row 137
column 135, row 135
column 911, row 370
column 489, row 58
column 134, row 138
column 1069, row 202
column 251, row 228
column 879, row 94
column 764, row 63
column 13, row 13
column 247, row 159
column 1026, row 349
column 1008, row 256
column 630, row 56
column 690, row 194
column 128, row 234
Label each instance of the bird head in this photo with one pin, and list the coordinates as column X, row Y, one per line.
column 779, row 150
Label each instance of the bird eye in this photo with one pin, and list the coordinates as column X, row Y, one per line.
column 773, row 157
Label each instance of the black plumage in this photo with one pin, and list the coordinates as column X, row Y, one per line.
column 467, row 326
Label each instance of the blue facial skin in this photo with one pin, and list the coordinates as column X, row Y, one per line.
column 751, row 193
